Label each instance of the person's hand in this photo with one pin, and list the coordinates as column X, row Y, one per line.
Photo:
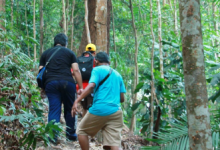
column 74, row 109
column 79, row 92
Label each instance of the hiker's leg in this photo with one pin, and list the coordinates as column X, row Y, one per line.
column 84, row 142
column 68, row 98
column 114, row 148
column 54, row 98
column 112, row 131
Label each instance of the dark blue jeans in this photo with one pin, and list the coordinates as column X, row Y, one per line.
column 58, row 92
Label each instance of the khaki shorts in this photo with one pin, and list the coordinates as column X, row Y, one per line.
column 111, row 127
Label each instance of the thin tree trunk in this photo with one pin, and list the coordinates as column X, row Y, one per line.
column 72, row 23
column 27, row 28
column 160, row 39
column 152, row 73
column 210, row 25
column 175, row 19
column 133, row 119
column 2, row 25
column 34, row 32
column 12, row 12
column 41, row 28
column 214, row 9
column 86, row 22
column 17, row 15
column 2, row 11
column 63, row 17
column 199, row 129
column 67, row 16
column 113, row 26
column 164, row 2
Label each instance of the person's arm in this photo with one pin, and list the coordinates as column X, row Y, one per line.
column 122, row 98
column 77, row 74
column 88, row 90
column 40, row 67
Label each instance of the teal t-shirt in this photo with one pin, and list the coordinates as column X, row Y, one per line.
column 106, row 99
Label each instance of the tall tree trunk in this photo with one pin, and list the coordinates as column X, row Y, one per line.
column 99, row 24
column 72, row 23
column 175, row 18
column 2, row 25
column 34, row 31
column 86, row 22
column 63, row 21
column 12, row 12
column 2, row 14
column 133, row 119
column 214, row 9
column 152, row 73
column 27, row 28
column 164, row 2
column 113, row 26
column 17, row 15
column 210, row 25
column 67, row 16
column 194, row 76
column 160, row 39
column 41, row 27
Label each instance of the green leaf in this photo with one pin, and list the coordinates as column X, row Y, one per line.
column 135, row 106
column 2, row 110
column 138, row 87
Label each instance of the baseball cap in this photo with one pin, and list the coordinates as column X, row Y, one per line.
column 90, row 47
column 102, row 57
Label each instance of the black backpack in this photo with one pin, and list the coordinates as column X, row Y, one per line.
column 85, row 65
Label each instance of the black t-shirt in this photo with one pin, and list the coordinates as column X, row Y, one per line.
column 59, row 66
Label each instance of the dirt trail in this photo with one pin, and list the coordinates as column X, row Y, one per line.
column 129, row 142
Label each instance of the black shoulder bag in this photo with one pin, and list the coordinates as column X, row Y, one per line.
column 104, row 80
column 41, row 75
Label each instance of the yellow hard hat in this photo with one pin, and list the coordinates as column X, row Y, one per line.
column 90, row 47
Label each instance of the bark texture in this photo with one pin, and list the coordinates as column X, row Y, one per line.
column 41, row 27
column 86, row 22
column 12, row 12
column 175, row 18
column 160, row 39
column 194, row 76
column 99, row 24
column 63, row 17
column 72, row 24
column 113, row 28
column 133, row 119
column 27, row 29
column 34, row 30
column 2, row 14
column 152, row 73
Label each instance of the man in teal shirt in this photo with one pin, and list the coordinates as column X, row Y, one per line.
column 105, row 113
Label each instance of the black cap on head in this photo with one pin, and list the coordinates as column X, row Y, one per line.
column 61, row 39
column 102, row 57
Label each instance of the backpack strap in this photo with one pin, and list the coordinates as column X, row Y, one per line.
column 52, row 55
column 87, row 52
column 104, row 79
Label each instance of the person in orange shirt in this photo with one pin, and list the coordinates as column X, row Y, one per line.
column 87, row 102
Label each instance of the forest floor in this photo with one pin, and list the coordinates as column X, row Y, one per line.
column 129, row 141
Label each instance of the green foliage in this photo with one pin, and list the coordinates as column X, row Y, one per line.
column 175, row 136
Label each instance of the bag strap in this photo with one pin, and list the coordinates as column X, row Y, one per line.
column 104, row 79
column 52, row 55
column 87, row 52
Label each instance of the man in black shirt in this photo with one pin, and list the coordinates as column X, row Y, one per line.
column 59, row 84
